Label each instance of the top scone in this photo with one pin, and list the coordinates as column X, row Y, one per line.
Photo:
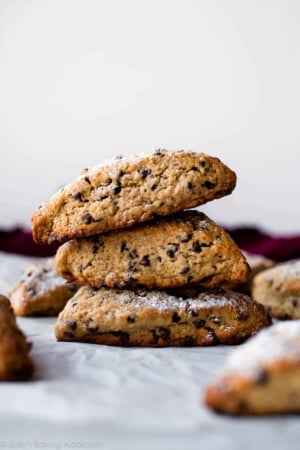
column 131, row 190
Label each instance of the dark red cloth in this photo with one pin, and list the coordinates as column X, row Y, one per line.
column 21, row 242
column 253, row 240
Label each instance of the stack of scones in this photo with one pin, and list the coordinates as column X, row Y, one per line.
column 153, row 271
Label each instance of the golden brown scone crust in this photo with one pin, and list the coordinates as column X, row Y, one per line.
column 15, row 362
column 257, row 264
column 159, row 318
column 278, row 289
column 262, row 376
column 131, row 190
column 184, row 249
column 40, row 291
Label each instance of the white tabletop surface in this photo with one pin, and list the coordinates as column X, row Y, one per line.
column 91, row 396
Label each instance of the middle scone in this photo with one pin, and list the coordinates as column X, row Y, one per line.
column 187, row 248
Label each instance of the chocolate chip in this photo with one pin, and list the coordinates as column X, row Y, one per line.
column 241, row 316
column 192, row 312
column 159, row 259
column 77, row 196
column 170, row 253
column 295, row 302
column 164, row 333
column 144, row 172
column 123, row 246
column 71, row 324
column 122, row 335
column 208, row 184
column 175, row 318
column 190, row 185
column 130, row 319
column 86, row 178
column 87, row 218
column 153, row 187
column 155, row 337
column 68, row 334
column 145, row 261
column 185, row 237
column 131, row 266
column 199, row 323
column 196, row 247
column 91, row 326
column 184, row 270
column 171, row 250
column 189, row 341
column 116, row 189
column 262, row 378
column 202, row 163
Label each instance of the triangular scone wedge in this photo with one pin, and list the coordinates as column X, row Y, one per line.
column 262, row 376
column 184, row 249
column 131, row 190
column 158, row 318
column 40, row 291
column 15, row 362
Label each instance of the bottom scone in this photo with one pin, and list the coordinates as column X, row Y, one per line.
column 157, row 318
column 262, row 376
column 15, row 363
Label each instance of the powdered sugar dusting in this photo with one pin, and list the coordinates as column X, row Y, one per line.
column 281, row 341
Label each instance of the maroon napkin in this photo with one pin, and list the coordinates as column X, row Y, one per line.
column 253, row 240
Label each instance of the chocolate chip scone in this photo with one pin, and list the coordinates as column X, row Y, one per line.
column 262, row 376
column 158, row 319
column 187, row 248
column 278, row 289
column 131, row 190
column 15, row 362
column 40, row 291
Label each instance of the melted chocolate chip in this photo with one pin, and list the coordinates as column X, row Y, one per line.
column 71, row 324
column 190, row 185
column 130, row 319
column 153, row 187
column 199, row 323
column 86, row 178
column 196, row 247
column 242, row 316
column 145, row 261
column 144, row 172
column 91, row 326
column 184, row 270
column 208, row 184
column 176, row 318
column 68, row 334
column 122, row 335
column 77, row 196
column 123, row 246
column 262, row 378
column 164, row 333
column 87, row 218
column 116, row 189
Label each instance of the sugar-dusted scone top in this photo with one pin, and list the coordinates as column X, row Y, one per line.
column 15, row 362
column 40, row 291
column 187, row 248
column 159, row 318
column 131, row 190
column 262, row 376
column 278, row 289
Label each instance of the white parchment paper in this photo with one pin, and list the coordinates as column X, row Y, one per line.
column 126, row 390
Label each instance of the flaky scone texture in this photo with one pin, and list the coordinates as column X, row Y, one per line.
column 184, row 249
column 15, row 362
column 261, row 377
column 131, row 190
column 159, row 318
